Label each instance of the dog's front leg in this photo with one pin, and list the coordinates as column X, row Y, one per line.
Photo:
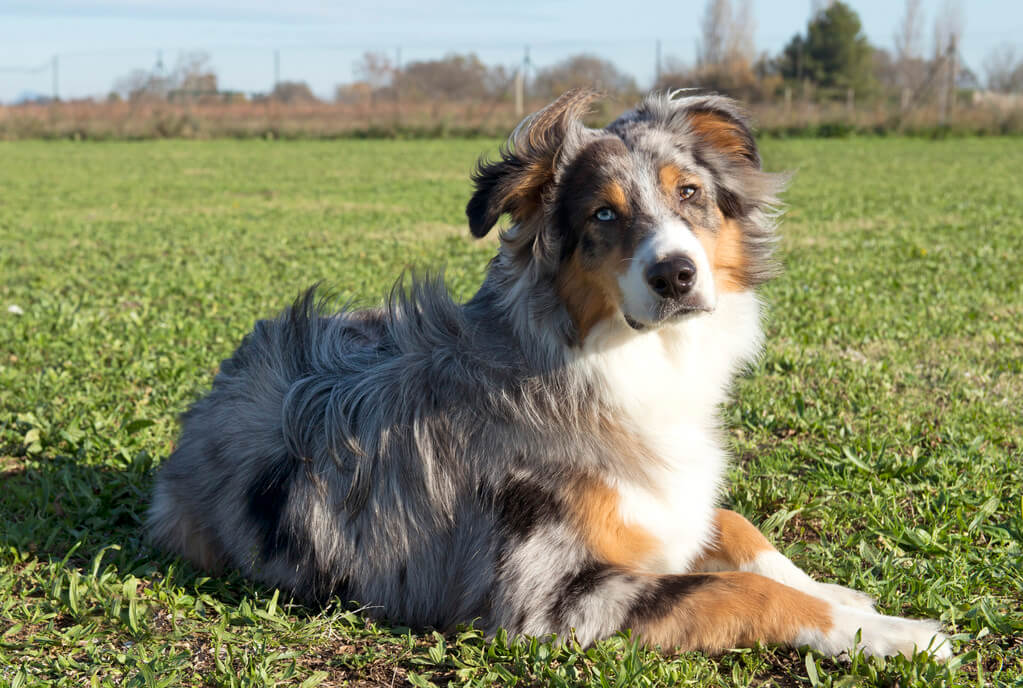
column 711, row 612
column 739, row 546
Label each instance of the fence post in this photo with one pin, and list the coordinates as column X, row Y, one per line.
column 518, row 91
column 788, row 102
column 850, row 101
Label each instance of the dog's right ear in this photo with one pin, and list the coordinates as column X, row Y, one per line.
column 515, row 184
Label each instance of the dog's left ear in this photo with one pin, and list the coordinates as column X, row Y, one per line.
column 719, row 124
column 720, row 131
column 515, row 183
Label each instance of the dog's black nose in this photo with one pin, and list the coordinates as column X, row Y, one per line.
column 672, row 277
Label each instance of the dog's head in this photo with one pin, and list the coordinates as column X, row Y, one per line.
column 648, row 220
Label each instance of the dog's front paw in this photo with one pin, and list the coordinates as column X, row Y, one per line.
column 882, row 636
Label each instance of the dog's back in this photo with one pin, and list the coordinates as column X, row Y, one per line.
column 272, row 475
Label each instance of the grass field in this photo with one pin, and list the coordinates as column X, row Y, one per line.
column 878, row 441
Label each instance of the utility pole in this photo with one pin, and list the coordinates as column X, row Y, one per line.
column 520, row 84
column 657, row 64
column 56, row 77
column 526, row 64
column 277, row 68
column 396, row 84
column 953, row 72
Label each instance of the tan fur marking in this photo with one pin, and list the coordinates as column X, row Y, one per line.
column 728, row 258
column 719, row 132
column 607, row 536
column 738, row 541
column 523, row 199
column 614, row 194
column 670, row 178
column 736, row 610
column 589, row 295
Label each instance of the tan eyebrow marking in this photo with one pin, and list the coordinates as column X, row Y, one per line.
column 614, row 194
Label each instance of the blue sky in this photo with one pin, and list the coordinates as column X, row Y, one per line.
column 100, row 40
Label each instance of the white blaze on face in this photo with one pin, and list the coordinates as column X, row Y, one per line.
column 671, row 237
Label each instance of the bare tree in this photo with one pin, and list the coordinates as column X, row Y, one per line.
column 1003, row 71
column 910, row 69
column 453, row 77
column 948, row 26
column 908, row 33
column 376, row 69
column 726, row 51
column 740, row 41
column 140, row 84
column 583, row 70
column 714, row 30
column 192, row 78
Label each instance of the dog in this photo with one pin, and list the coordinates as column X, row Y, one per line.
column 546, row 457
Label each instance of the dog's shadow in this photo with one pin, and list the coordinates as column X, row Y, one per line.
column 71, row 514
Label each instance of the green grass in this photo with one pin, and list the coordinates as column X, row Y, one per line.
column 878, row 441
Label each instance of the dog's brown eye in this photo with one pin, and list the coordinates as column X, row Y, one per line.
column 687, row 192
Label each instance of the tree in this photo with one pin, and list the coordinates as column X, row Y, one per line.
column 453, row 77
column 192, row 78
column 725, row 54
column 375, row 69
column 910, row 68
column 948, row 27
column 293, row 92
column 583, row 70
column 714, row 29
column 740, row 45
column 1003, row 71
column 833, row 54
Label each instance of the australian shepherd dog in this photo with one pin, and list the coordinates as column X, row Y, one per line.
column 546, row 457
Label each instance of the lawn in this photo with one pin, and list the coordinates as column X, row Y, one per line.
column 879, row 440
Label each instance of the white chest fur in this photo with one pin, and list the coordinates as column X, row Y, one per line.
column 668, row 384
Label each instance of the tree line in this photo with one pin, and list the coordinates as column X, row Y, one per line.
column 830, row 56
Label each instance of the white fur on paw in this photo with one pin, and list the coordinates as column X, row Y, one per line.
column 842, row 596
column 777, row 566
column 882, row 636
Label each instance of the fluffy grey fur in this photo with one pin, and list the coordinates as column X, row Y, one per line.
column 415, row 457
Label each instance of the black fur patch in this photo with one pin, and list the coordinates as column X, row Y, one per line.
column 523, row 505
column 574, row 587
column 587, row 173
column 266, row 500
column 494, row 181
column 731, row 205
column 661, row 596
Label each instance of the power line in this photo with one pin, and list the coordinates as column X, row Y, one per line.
column 44, row 67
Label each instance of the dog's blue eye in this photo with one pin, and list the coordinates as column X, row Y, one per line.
column 687, row 192
column 605, row 215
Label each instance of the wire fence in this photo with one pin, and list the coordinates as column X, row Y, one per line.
column 242, row 100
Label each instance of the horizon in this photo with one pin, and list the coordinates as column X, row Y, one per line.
column 98, row 41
